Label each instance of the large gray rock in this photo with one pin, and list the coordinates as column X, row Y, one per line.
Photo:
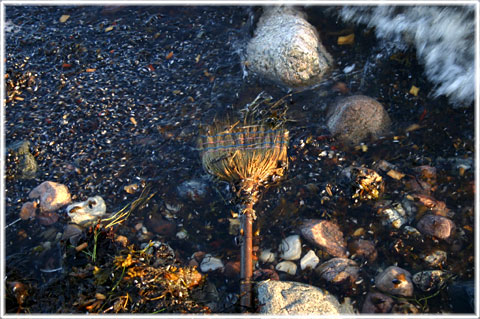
column 286, row 49
column 292, row 298
column 355, row 118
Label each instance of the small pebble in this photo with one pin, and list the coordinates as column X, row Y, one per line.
column 83, row 213
column 376, row 302
column 430, row 280
column 396, row 281
column 267, row 256
column 28, row 210
column 309, row 261
column 325, row 235
column 210, row 263
column 436, row 258
column 436, row 226
column 339, row 271
column 291, row 248
column 287, row 266
column 364, row 249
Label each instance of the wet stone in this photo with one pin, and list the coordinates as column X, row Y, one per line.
column 291, row 248
column 363, row 249
column 287, row 266
column 309, row 261
column 160, row 226
column 27, row 165
column 355, row 118
column 436, row 226
column 291, row 298
column 265, row 274
column 286, row 49
column 339, row 271
column 210, row 263
column 430, row 280
column 436, row 258
column 376, row 302
column 396, row 281
column 86, row 212
column 326, row 235
column 52, row 196
column 28, row 210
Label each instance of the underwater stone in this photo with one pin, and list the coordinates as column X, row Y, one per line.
column 396, row 281
column 364, row 249
column 286, row 49
column 27, row 166
column 437, row 226
column 210, row 263
column 194, row 190
column 325, row 235
column 436, row 258
column 287, row 266
column 267, row 256
column 310, row 260
column 291, row 248
column 338, row 271
column 293, row 298
column 430, row 280
column 355, row 118
column 52, row 196
column 83, row 213
column 376, row 302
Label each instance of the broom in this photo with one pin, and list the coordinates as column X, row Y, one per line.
column 247, row 156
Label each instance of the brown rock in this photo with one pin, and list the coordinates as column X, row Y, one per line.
column 376, row 302
column 356, row 118
column 28, row 210
column 325, row 235
column 232, row 269
column 437, row 226
column 338, row 271
column 52, row 196
column 158, row 225
column 364, row 249
column 47, row 218
column 265, row 274
column 396, row 281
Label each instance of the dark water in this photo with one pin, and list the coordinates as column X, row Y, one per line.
column 120, row 93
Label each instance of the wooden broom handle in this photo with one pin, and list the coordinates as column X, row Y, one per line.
column 246, row 268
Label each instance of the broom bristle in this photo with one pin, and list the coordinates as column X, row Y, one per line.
column 248, row 154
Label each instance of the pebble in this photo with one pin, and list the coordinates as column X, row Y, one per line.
column 338, row 271
column 436, row 258
column 72, row 233
column 325, row 235
column 412, row 232
column 355, row 118
column 265, row 274
column 210, row 263
column 430, row 280
column 291, row 248
column 28, row 210
column 287, row 266
column 376, row 302
column 294, row 298
column 393, row 216
column 182, row 234
column 52, row 196
column 83, row 213
column 27, row 165
column 194, row 189
column 286, row 49
column 396, row 281
column 267, row 256
column 436, row 226
column 364, row 249
column 160, row 226
column 309, row 261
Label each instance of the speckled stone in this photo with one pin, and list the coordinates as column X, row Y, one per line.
column 355, row 118
column 286, row 49
column 294, row 298
column 326, row 235
column 338, row 271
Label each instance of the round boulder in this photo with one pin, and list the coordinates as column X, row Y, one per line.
column 355, row 118
column 286, row 49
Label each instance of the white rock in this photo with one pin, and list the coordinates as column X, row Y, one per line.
column 210, row 263
column 310, row 260
column 182, row 234
column 267, row 256
column 85, row 212
column 291, row 248
column 287, row 266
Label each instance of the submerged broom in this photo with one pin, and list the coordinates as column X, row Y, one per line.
column 247, row 156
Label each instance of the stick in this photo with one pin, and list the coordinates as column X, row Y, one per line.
column 246, row 267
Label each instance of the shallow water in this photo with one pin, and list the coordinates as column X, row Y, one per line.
column 120, row 94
